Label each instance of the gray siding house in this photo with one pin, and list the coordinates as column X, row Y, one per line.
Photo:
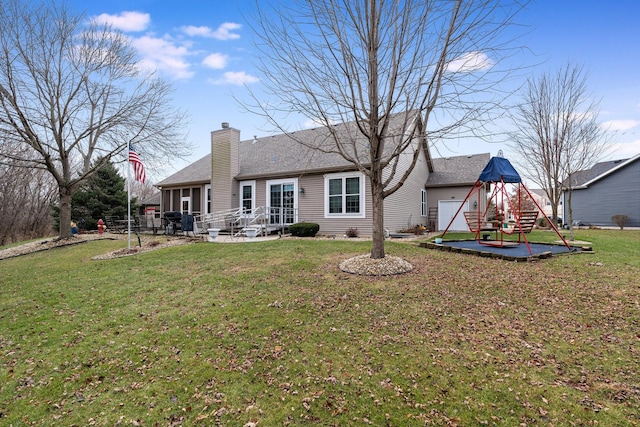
column 607, row 189
column 293, row 183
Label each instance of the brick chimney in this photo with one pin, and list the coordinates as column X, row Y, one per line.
column 225, row 165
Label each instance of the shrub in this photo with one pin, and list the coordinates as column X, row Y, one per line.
column 417, row 230
column 543, row 222
column 304, row 229
column 352, row 232
column 620, row 220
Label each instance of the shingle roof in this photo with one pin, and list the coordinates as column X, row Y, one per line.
column 291, row 153
column 458, row 170
column 154, row 199
column 584, row 176
column 197, row 172
column 539, row 191
column 282, row 154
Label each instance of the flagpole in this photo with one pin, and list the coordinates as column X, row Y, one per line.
column 128, row 197
column 138, row 168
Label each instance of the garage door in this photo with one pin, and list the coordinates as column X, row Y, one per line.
column 446, row 210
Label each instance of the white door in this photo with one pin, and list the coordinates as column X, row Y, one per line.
column 446, row 210
column 185, row 203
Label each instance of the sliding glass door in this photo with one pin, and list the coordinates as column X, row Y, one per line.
column 282, row 202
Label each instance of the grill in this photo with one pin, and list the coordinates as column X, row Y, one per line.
column 172, row 221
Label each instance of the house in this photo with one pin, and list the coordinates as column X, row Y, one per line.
column 448, row 185
column 541, row 198
column 608, row 188
column 287, row 182
column 149, row 211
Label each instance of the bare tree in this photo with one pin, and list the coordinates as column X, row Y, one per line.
column 141, row 190
column 557, row 132
column 363, row 61
column 71, row 93
column 25, row 199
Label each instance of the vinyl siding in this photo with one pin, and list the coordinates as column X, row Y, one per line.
column 617, row 193
column 224, row 166
column 338, row 226
column 311, row 206
column 403, row 208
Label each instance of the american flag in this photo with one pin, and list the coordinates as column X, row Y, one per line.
column 138, row 166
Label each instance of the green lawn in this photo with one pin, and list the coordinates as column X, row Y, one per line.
column 272, row 333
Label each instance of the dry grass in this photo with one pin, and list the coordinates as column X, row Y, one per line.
column 273, row 333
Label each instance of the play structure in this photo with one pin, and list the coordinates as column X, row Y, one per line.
column 490, row 221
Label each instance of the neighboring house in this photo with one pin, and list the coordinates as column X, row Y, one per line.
column 149, row 211
column 607, row 189
column 292, row 183
column 541, row 198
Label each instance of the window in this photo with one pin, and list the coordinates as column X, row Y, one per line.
column 247, row 196
column 196, row 201
column 207, row 189
column 423, row 202
column 344, row 195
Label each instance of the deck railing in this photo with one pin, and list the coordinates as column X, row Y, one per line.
column 265, row 218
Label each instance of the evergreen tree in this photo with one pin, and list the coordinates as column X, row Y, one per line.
column 103, row 194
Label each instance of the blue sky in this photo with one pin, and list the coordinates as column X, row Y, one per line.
column 205, row 48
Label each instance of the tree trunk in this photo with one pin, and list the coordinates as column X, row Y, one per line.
column 570, row 215
column 65, row 212
column 377, row 246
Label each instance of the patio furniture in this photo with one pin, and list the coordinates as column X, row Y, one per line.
column 114, row 224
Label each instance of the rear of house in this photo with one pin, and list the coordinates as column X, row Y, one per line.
column 282, row 181
column 295, row 183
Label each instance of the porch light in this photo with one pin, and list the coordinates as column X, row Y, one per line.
column 301, row 190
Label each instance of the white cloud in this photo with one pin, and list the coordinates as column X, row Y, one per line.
column 469, row 62
column 223, row 32
column 236, row 78
column 623, row 150
column 166, row 55
column 125, row 21
column 163, row 55
column 216, row 61
column 620, row 125
column 193, row 31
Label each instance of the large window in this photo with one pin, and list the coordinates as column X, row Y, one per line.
column 423, row 202
column 344, row 195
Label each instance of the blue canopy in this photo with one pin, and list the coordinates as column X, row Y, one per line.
column 499, row 169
